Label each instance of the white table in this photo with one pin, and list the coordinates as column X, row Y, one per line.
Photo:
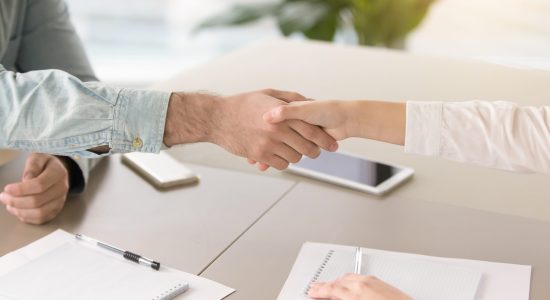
column 448, row 209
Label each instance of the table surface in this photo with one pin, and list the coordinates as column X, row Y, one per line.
column 448, row 209
column 185, row 228
column 245, row 231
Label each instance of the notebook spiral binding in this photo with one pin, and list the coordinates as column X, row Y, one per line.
column 317, row 273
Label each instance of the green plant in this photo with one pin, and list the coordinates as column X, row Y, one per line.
column 375, row 22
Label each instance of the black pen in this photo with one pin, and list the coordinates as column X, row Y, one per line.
column 126, row 254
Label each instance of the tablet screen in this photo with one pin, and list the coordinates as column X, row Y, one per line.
column 348, row 167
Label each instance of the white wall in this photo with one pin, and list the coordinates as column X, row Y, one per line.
column 515, row 32
column 137, row 42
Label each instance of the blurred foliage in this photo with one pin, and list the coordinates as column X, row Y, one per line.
column 375, row 22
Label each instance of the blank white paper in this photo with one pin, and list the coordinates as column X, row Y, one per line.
column 73, row 271
column 34, row 268
column 420, row 279
column 496, row 281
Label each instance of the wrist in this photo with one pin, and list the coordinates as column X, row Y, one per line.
column 382, row 121
column 355, row 111
column 191, row 118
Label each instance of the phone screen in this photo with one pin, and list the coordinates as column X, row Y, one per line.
column 349, row 167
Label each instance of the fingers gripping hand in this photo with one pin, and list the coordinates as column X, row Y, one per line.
column 333, row 116
column 284, row 95
column 308, row 141
column 244, row 132
column 42, row 192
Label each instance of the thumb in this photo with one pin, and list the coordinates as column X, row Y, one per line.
column 283, row 113
column 34, row 166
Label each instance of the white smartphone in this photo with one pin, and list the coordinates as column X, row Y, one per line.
column 353, row 171
column 161, row 170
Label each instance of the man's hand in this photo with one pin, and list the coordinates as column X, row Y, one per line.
column 356, row 287
column 335, row 117
column 42, row 192
column 236, row 124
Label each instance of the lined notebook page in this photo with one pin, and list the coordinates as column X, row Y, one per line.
column 75, row 271
column 418, row 278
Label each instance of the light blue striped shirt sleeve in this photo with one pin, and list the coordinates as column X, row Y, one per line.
column 53, row 112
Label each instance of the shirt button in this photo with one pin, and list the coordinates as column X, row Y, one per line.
column 137, row 143
column 76, row 157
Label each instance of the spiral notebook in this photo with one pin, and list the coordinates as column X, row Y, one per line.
column 421, row 277
column 75, row 272
column 59, row 267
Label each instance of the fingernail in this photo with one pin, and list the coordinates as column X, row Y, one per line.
column 2, row 197
column 334, row 147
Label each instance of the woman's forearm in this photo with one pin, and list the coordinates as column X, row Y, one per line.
column 501, row 135
column 378, row 120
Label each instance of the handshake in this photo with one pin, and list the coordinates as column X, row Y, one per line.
column 271, row 127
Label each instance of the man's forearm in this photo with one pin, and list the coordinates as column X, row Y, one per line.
column 191, row 118
column 51, row 111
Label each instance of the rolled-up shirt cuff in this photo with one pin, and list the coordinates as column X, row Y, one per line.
column 139, row 120
column 423, row 128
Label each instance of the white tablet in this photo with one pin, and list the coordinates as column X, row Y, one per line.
column 353, row 171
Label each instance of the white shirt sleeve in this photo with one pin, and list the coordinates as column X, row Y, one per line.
column 500, row 135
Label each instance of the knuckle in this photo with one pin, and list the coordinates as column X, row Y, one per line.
column 330, row 287
column 370, row 278
column 281, row 110
column 348, row 275
column 297, row 96
column 40, row 185
column 262, row 155
column 268, row 91
column 309, row 132
column 279, row 165
column 16, row 189
column 341, row 289
column 34, row 201
column 264, row 145
column 272, row 129
column 41, row 216
column 295, row 159
column 313, row 151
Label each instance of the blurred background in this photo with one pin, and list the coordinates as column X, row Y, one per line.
column 139, row 42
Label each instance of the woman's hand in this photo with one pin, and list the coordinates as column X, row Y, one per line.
column 356, row 287
column 336, row 117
